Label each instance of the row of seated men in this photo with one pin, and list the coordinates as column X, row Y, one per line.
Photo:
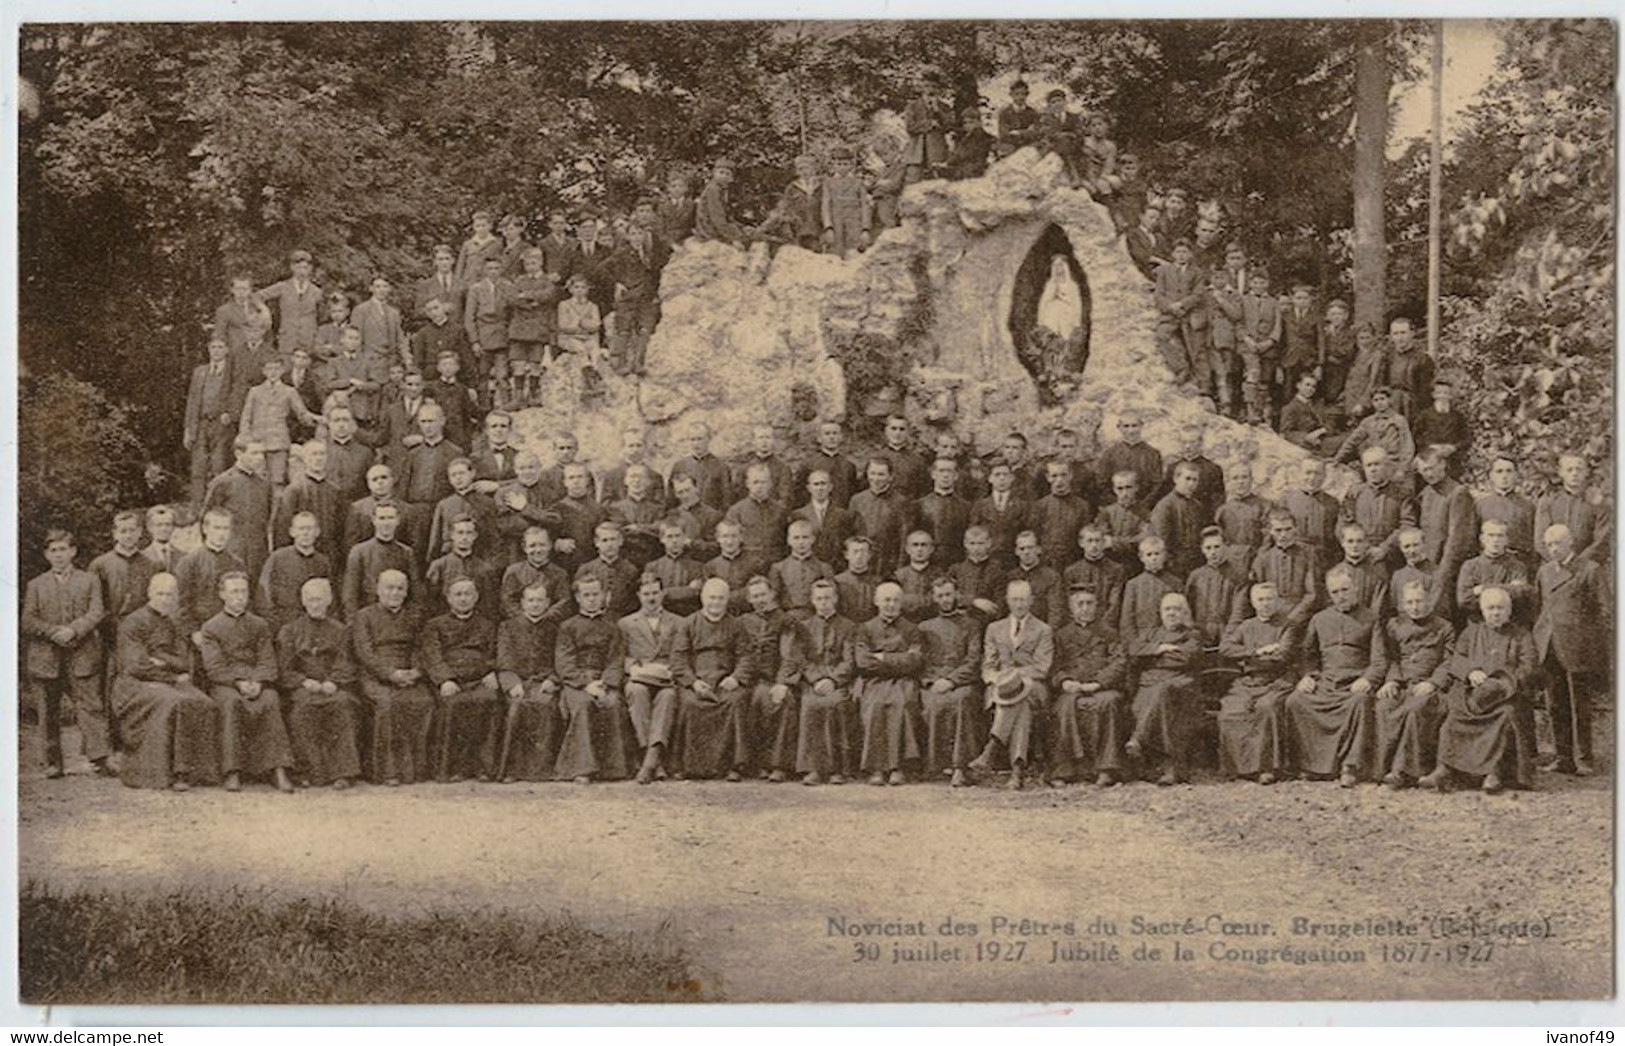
column 402, row 696
column 1215, row 589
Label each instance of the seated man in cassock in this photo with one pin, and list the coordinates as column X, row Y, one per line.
column 385, row 637
column 886, row 657
column 318, row 674
column 650, row 633
column 171, row 729
column 1489, row 720
column 818, row 652
column 1091, row 712
column 712, row 665
column 951, row 644
column 1167, row 701
column 775, row 706
column 1017, row 653
column 589, row 660
column 525, row 673
column 1330, row 714
column 459, row 651
column 239, row 661
column 1252, row 738
column 1411, row 701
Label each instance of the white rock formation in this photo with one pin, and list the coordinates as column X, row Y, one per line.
column 740, row 333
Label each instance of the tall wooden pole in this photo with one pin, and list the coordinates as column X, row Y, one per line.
column 1436, row 188
column 1370, row 143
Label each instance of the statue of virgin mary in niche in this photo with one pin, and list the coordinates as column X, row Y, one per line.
column 1060, row 307
column 1058, row 331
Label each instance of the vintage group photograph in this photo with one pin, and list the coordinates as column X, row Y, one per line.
column 815, row 511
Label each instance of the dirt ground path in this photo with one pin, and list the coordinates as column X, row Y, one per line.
column 759, row 884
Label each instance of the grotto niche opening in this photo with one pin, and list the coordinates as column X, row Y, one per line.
column 1049, row 315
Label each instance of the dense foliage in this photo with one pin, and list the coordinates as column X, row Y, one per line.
column 1531, row 322
column 79, row 459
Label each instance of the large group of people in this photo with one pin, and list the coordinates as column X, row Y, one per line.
column 429, row 611
column 390, row 588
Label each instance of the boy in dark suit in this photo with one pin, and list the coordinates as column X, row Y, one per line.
column 329, row 334
column 1300, row 335
column 713, row 213
column 301, row 377
column 442, row 286
column 674, row 214
column 561, row 255
column 211, row 418
column 636, row 267
column 972, row 146
column 62, row 654
column 1016, row 121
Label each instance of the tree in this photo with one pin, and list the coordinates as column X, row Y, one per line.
column 77, row 463
column 1370, row 147
column 1531, row 324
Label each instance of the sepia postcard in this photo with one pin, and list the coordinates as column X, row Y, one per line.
column 815, row 511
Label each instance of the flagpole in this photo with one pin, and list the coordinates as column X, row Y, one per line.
column 1435, row 187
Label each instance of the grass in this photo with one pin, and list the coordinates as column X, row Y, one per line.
column 246, row 946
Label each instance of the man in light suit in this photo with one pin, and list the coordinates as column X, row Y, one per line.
column 380, row 324
column 651, row 691
column 211, row 423
column 1573, row 639
column 298, row 305
column 62, row 656
column 1017, row 653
